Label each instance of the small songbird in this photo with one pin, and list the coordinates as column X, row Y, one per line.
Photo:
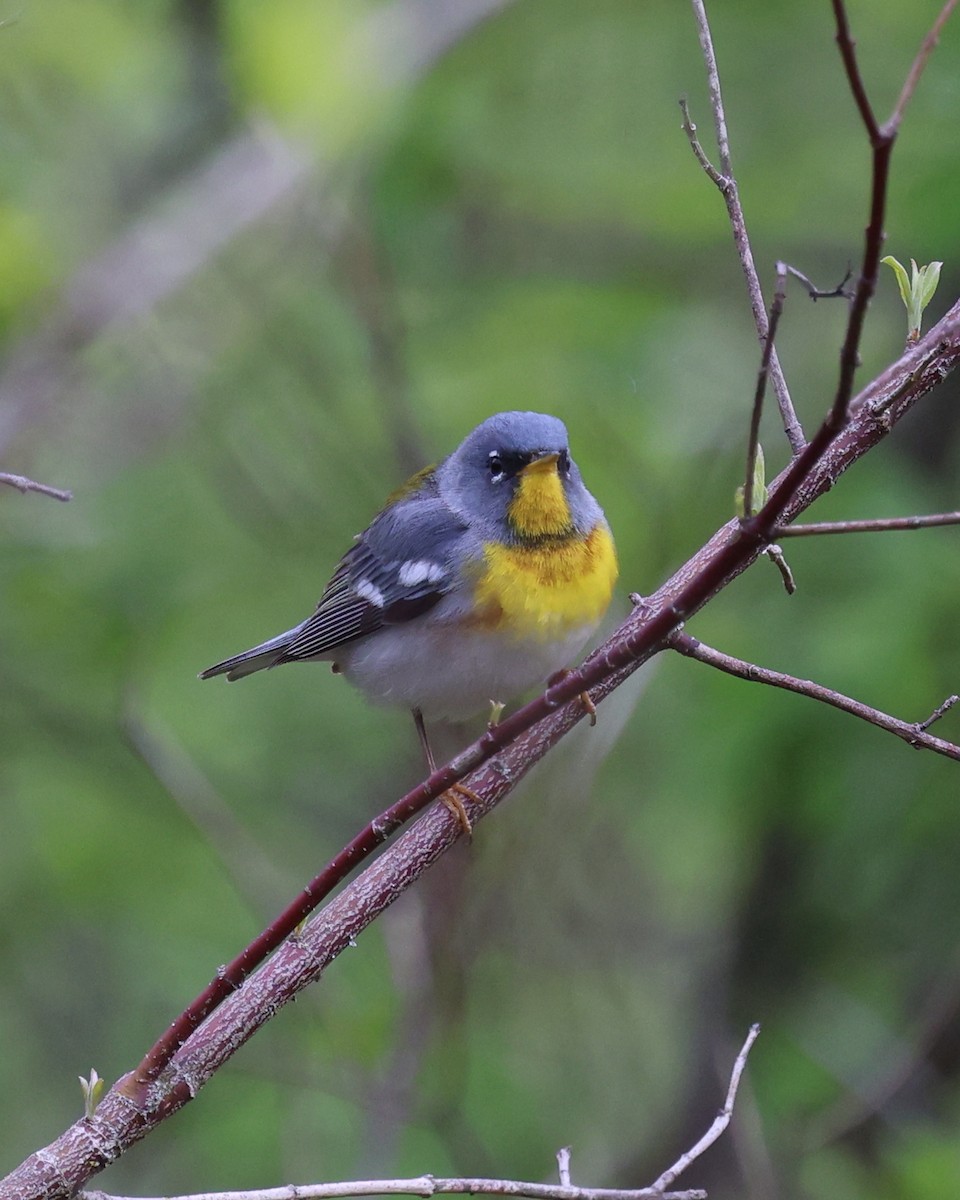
column 483, row 576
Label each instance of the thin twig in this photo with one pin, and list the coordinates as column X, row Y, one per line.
column 690, row 129
column 563, row 1166
column 938, row 712
column 881, row 143
column 882, row 525
column 848, row 53
column 727, row 184
column 23, row 484
column 776, row 556
column 427, row 1185
column 721, row 1121
column 763, row 374
column 927, row 47
column 913, row 733
column 815, row 293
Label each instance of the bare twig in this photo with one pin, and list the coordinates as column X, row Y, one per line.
column 882, row 140
column 775, row 554
column 727, row 184
column 911, row 732
column 690, row 129
column 721, row 1121
column 23, row 484
column 881, row 525
column 428, row 1185
column 763, row 374
column 563, row 1166
column 917, row 67
column 432, row 1185
column 815, row 293
column 938, row 712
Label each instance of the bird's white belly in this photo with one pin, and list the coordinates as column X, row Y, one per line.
column 452, row 671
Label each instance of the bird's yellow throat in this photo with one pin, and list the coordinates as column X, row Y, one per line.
column 539, row 508
column 553, row 581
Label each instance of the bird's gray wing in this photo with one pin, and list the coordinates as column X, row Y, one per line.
column 398, row 569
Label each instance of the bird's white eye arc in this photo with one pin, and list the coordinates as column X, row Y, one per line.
column 496, row 467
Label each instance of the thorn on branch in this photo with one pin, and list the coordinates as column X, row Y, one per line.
column 689, row 128
column 923, row 726
column 775, row 554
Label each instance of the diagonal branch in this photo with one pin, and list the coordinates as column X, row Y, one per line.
column 917, row 67
column 23, row 484
column 726, row 182
column 722, row 1119
column 913, row 733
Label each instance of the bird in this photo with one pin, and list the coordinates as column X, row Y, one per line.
column 483, row 576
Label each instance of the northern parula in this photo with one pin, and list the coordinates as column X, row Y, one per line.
column 483, row 576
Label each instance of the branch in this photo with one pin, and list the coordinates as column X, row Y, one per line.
column 432, row 1185
column 721, row 1121
column 23, row 484
column 763, row 375
column 915, row 734
column 917, row 67
column 727, row 184
column 428, row 1185
column 882, row 525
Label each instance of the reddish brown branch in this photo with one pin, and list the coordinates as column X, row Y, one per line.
column 881, row 525
column 912, row 732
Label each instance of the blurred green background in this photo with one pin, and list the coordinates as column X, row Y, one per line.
column 259, row 261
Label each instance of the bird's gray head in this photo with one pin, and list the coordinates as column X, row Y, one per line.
column 514, row 480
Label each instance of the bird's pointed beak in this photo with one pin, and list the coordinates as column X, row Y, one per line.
column 541, row 465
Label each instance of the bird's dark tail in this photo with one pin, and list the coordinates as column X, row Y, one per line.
column 267, row 654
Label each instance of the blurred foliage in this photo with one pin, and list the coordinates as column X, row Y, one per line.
column 505, row 217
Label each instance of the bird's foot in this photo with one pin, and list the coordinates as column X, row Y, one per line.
column 451, row 798
column 585, row 698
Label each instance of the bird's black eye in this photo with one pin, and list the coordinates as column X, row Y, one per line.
column 563, row 463
column 497, row 469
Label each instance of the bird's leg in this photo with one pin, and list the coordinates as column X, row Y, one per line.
column 585, row 698
column 451, row 797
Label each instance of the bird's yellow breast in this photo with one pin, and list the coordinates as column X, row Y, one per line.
column 547, row 590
